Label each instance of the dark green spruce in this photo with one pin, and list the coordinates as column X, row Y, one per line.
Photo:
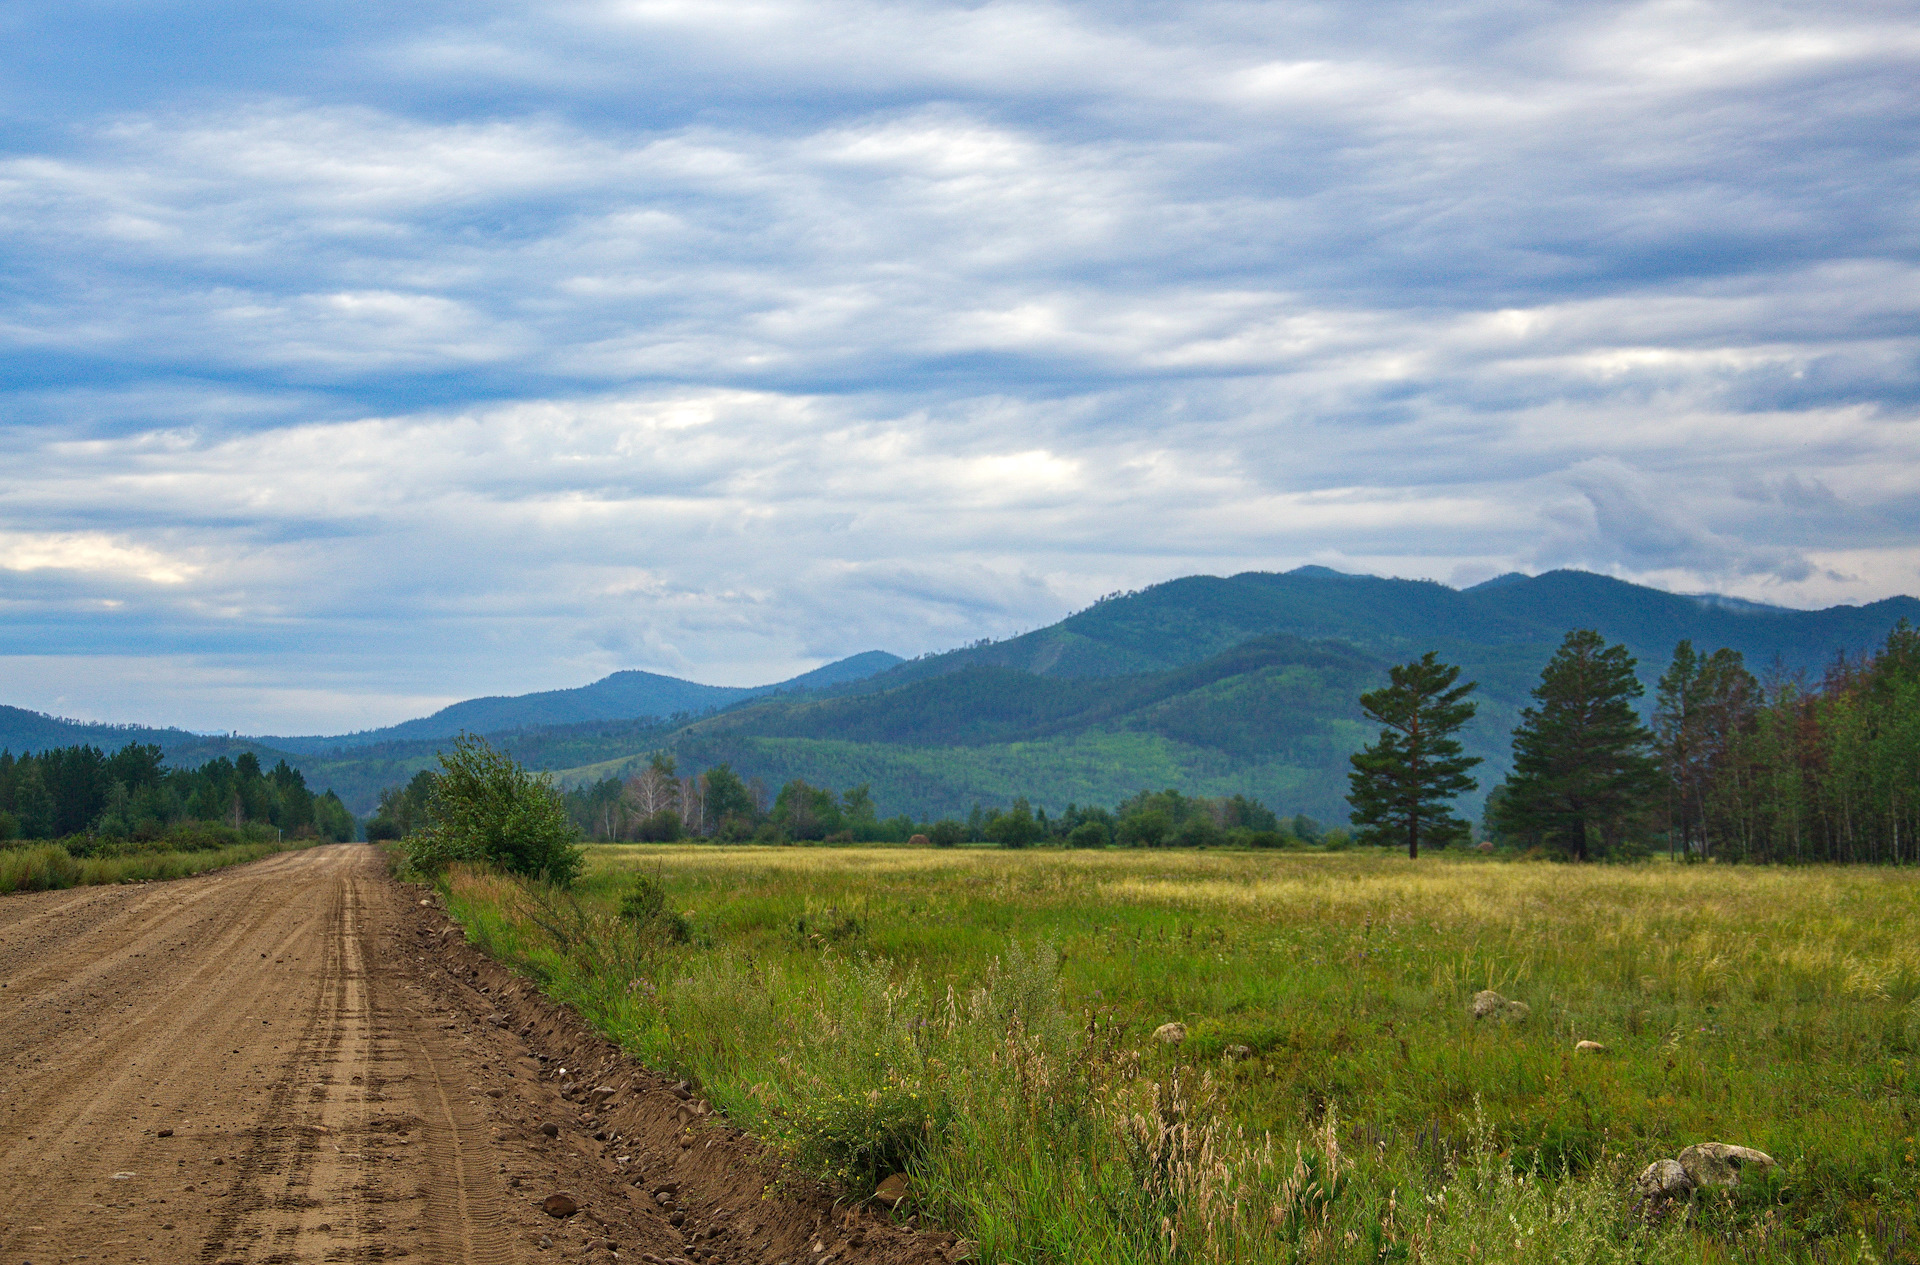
column 1582, row 761
column 1403, row 785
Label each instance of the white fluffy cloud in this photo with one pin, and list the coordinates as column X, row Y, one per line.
column 481, row 348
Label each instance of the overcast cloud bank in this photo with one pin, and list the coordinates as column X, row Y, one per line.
column 357, row 361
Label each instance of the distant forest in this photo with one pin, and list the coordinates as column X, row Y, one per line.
column 70, row 792
column 1739, row 769
column 1788, row 770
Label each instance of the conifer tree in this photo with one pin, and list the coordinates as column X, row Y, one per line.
column 1402, row 784
column 1581, row 759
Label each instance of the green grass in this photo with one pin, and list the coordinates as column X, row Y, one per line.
column 881, row 1009
column 43, row 867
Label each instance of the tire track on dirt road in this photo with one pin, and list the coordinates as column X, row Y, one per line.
column 297, row 1060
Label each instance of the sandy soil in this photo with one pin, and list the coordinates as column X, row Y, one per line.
column 298, row 1060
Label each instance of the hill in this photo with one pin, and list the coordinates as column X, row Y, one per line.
column 1216, row 685
column 1185, row 620
column 22, row 731
column 622, row 696
column 1220, row 685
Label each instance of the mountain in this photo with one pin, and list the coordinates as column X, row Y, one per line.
column 1189, row 619
column 22, row 731
column 622, row 696
column 1244, row 683
column 1217, row 685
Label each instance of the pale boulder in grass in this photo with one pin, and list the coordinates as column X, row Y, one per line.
column 1488, row 1004
column 1170, row 1033
column 1699, row 1166
column 1663, row 1180
column 1719, row 1163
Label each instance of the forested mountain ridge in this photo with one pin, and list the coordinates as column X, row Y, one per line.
column 1217, row 685
column 1189, row 619
column 22, row 731
column 1245, row 683
column 628, row 695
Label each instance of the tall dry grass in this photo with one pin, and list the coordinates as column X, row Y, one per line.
column 983, row 1019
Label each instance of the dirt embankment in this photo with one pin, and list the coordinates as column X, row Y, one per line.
column 297, row 1061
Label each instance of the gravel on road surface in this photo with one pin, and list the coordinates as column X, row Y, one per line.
column 302, row 1060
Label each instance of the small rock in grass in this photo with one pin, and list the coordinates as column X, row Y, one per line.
column 1589, row 1047
column 1719, row 1164
column 1488, row 1004
column 892, row 1191
column 1170, row 1033
column 559, row 1204
column 1663, row 1180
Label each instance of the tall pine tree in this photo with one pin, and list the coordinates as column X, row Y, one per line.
column 1402, row 785
column 1581, row 759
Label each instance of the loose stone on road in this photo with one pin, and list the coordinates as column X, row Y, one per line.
column 294, row 1061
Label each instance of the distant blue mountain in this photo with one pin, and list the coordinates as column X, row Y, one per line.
column 621, row 696
column 627, row 695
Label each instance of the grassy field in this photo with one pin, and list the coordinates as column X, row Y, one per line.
column 39, row 867
column 983, row 1020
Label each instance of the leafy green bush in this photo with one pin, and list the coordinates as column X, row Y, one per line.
column 663, row 826
column 645, row 906
column 1014, row 828
column 487, row 807
column 947, row 833
column 1088, row 834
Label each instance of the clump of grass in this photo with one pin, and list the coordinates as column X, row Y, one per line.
column 50, row 866
column 37, row 868
column 1333, row 1101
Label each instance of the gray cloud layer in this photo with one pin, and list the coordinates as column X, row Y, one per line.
column 356, row 361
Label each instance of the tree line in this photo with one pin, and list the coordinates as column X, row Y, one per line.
column 81, row 793
column 1731, row 767
column 659, row 804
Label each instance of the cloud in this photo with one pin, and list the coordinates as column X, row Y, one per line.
column 463, row 349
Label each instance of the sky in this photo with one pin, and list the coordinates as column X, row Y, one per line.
column 356, row 358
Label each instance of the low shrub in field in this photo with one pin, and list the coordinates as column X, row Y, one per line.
column 485, row 807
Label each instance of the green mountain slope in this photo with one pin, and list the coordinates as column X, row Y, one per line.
column 22, row 731
column 1213, row 684
column 1247, row 682
column 1189, row 619
column 620, row 696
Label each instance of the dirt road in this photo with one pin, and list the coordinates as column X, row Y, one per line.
column 295, row 1061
